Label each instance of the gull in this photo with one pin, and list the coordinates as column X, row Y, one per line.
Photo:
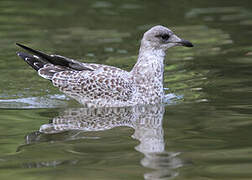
column 98, row 85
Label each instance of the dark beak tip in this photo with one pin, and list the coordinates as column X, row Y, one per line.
column 190, row 45
column 187, row 43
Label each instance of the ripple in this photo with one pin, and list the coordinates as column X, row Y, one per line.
column 49, row 101
column 222, row 14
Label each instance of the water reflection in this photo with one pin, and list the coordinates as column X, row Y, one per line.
column 145, row 120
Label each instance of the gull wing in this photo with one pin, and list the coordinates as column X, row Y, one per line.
column 87, row 83
column 102, row 86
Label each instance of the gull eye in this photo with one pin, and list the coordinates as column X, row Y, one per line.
column 165, row 37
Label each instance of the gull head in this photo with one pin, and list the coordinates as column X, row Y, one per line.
column 162, row 38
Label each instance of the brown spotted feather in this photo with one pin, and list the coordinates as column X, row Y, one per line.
column 96, row 87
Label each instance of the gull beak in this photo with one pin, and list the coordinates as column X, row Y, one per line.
column 186, row 43
column 181, row 42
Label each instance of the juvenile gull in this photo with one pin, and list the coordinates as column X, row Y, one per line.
column 97, row 85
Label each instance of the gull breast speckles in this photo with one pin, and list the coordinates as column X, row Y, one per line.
column 98, row 85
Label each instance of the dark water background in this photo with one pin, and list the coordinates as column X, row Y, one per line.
column 203, row 133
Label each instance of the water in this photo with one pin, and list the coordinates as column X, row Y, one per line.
column 202, row 132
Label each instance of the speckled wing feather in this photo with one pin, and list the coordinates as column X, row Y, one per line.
column 104, row 86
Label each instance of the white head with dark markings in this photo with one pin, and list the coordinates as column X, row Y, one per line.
column 162, row 38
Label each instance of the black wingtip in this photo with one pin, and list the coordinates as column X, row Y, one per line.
column 26, row 48
column 23, row 46
column 18, row 44
column 23, row 55
column 35, row 63
column 38, row 53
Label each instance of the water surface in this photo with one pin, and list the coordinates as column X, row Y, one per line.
column 202, row 132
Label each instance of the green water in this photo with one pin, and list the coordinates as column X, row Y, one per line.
column 204, row 130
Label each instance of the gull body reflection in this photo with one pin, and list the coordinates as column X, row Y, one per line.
column 145, row 120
